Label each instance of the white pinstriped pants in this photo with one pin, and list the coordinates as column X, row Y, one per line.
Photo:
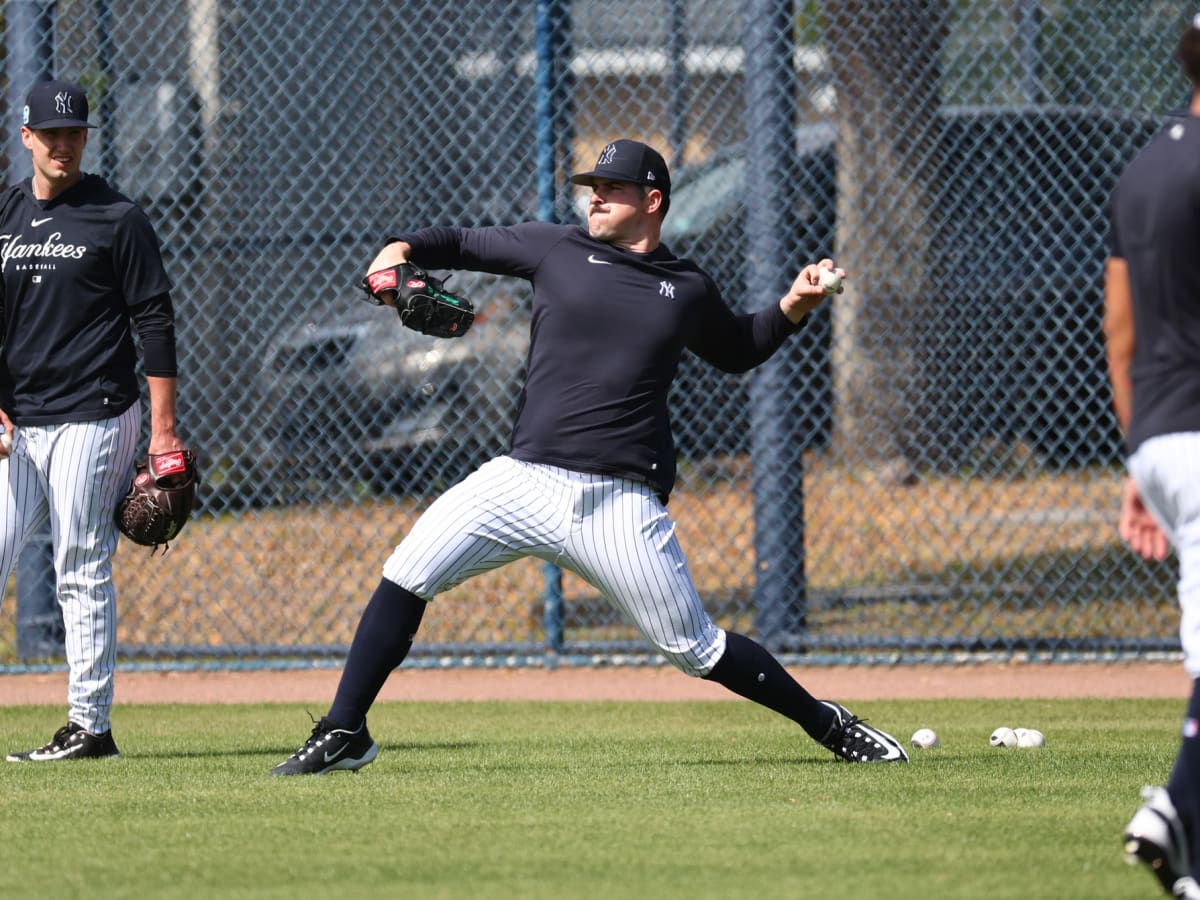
column 612, row 532
column 74, row 474
column 1167, row 472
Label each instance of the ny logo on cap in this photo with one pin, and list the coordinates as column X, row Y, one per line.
column 606, row 155
column 62, row 103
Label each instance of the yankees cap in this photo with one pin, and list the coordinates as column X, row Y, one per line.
column 56, row 104
column 625, row 160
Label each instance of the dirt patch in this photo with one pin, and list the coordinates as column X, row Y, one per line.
column 850, row 683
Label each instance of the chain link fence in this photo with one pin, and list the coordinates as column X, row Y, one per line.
column 930, row 469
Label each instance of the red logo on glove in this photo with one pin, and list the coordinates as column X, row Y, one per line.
column 170, row 463
column 383, row 280
column 414, row 283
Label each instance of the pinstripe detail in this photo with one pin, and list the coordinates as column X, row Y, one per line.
column 1167, row 471
column 612, row 532
column 74, row 474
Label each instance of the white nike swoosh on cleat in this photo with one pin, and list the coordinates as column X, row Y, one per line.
column 330, row 757
column 40, row 755
column 36, row 222
column 599, row 262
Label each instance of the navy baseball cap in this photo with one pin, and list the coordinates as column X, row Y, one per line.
column 626, row 160
column 56, row 104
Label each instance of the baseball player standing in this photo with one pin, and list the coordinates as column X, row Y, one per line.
column 81, row 268
column 592, row 458
column 1152, row 331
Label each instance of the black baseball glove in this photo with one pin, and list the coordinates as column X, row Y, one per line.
column 160, row 499
column 423, row 302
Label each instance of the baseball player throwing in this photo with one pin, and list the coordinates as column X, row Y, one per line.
column 592, row 459
column 81, row 268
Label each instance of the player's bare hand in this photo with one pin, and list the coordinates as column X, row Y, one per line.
column 1138, row 528
column 8, row 432
column 392, row 254
column 165, row 443
column 815, row 282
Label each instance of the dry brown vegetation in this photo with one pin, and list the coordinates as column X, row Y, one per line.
column 298, row 576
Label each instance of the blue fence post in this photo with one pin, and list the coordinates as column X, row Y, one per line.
column 778, row 483
column 553, row 37
column 553, row 617
column 677, row 86
column 29, row 44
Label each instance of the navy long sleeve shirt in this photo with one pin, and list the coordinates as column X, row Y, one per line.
column 78, row 273
column 609, row 327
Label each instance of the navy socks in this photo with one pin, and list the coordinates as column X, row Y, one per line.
column 1184, row 783
column 384, row 636
column 389, row 624
column 749, row 669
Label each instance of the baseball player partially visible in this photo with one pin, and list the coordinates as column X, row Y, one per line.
column 592, row 459
column 81, row 268
column 1152, row 331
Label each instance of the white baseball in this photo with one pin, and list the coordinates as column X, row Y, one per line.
column 830, row 280
column 1031, row 738
column 925, row 738
column 1003, row 737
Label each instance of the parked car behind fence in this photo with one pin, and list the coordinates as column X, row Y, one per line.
column 359, row 403
column 1010, row 342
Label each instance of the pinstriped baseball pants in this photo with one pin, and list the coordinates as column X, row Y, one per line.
column 613, row 532
column 1167, row 472
column 74, row 474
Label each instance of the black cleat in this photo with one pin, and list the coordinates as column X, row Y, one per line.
column 329, row 749
column 852, row 739
column 1155, row 836
column 71, row 742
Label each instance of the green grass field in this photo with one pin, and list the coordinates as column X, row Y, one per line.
column 604, row 800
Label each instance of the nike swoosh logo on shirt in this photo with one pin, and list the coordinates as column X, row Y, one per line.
column 36, row 222
column 598, row 262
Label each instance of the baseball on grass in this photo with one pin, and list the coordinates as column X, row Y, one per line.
column 925, row 738
column 830, row 280
column 1030, row 737
column 1003, row 737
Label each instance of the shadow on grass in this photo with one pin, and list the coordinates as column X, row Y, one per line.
column 740, row 761
column 283, row 750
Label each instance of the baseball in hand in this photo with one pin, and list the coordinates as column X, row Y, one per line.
column 831, row 281
column 5, row 440
column 1003, row 737
column 925, row 738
